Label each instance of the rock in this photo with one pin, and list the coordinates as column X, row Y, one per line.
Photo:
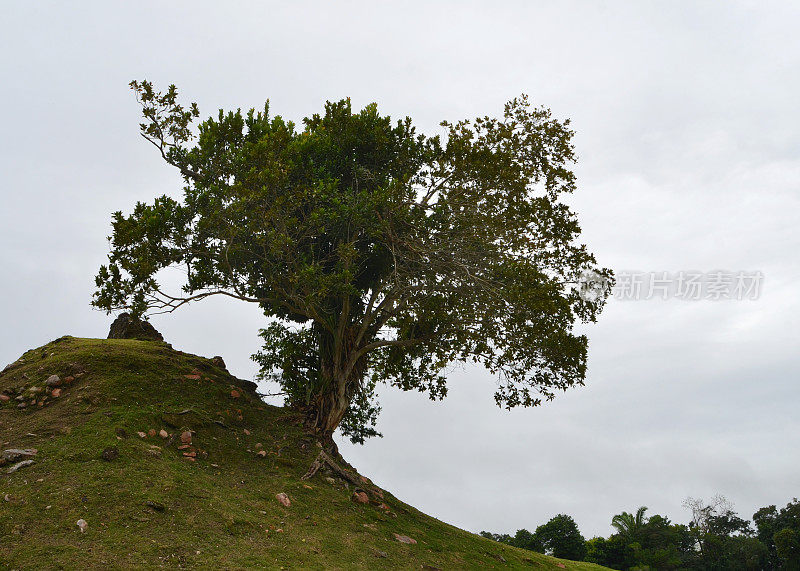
column 142, row 434
column 157, row 506
column 186, row 437
column 405, row 539
column 5, row 398
column 152, row 432
column 363, row 480
column 561, row 565
column 126, row 327
column 259, row 445
column 235, row 394
column 68, row 380
column 246, row 432
column 19, row 465
column 184, row 447
column 109, row 454
column 14, row 454
column 262, row 453
column 53, row 381
column 360, row 497
column 22, row 405
column 163, row 433
column 330, row 480
column 283, row 499
column 56, row 393
column 192, row 376
column 218, row 362
column 383, row 507
column 379, row 553
column 82, row 525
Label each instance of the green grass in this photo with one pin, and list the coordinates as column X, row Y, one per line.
column 219, row 511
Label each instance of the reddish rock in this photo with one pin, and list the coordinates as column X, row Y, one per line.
column 142, row 434
column 259, row 445
column 360, row 497
column 163, row 433
column 192, row 377
column 561, row 565
column 283, row 499
column 246, row 432
column 383, row 507
column 191, row 454
column 235, row 394
column 183, row 447
column 186, row 437
column 404, row 539
column 152, row 432
column 363, row 480
column 68, row 380
column 53, row 381
column 5, row 398
column 56, row 393
column 262, row 453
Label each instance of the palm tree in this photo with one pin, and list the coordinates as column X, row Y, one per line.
column 629, row 525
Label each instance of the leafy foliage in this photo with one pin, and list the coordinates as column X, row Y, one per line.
column 379, row 253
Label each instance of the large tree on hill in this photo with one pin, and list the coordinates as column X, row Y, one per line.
column 379, row 254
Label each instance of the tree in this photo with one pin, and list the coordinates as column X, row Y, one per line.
column 779, row 526
column 377, row 254
column 561, row 538
column 629, row 525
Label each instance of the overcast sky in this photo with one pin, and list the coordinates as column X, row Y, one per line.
column 687, row 119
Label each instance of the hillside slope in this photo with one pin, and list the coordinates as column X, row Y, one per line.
column 172, row 462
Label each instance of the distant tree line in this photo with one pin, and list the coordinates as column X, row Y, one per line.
column 715, row 538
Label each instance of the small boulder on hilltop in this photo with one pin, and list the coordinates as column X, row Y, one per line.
column 126, row 327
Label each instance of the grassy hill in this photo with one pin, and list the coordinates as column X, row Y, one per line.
column 172, row 462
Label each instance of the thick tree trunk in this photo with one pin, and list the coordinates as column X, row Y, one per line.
column 340, row 382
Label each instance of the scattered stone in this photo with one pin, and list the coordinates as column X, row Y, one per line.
column 259, row 445
column 53, row 381
column 383, row 507
column 22, row 405
column 363, row 480
column 110, row 454
column 19, row 465
column 186, row 437
column 218, row 362
column 262, row 453
column 152, row 432
column 68, row 380
column 5, row 398
column 82, row 525
column 191, row 454
column 330, row 480
column 283, row 499
column 142, row 434
column 561, row 565
column 163, row 433
column 379, row 553
column 235, row 394
column 14, row 454
column 192, row 377
column 360, row 497
column 246, row 432
column 184, row 446
column 157, row 506
column 126, row 327
column 56, row 393
column 405, row 539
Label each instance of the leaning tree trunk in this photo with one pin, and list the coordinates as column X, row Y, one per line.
column 339, row 383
